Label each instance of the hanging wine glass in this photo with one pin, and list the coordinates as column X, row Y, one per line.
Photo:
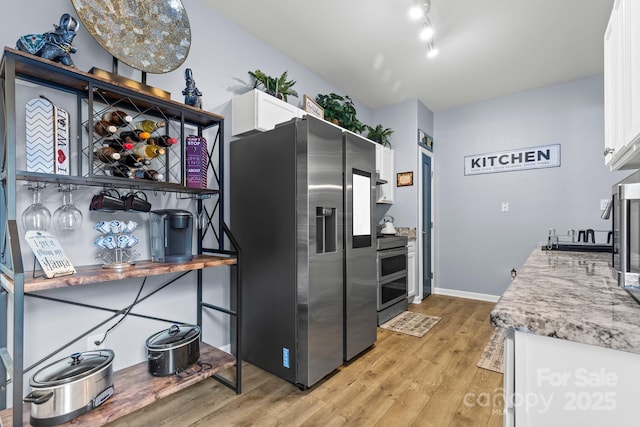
column 36, row 216
column 67, row 217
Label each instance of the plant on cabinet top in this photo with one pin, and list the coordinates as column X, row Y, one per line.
column 341, row 111
column 279, row 87
column 380, row 135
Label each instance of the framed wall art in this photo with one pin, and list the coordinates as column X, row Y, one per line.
column 404, row 179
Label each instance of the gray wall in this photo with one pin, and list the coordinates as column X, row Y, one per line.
column 476, row 244
column 405, row 119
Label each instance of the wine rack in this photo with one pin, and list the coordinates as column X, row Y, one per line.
column 168, row 164
column 93, row 96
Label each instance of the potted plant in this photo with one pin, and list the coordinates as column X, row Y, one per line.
column 279, row 87
column 380, row 135
column 340, row 111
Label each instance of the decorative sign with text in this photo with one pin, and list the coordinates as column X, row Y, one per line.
column 313, row 108
column 49, row 254
column 546, row 156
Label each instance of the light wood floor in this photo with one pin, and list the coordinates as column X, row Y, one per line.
column 401, row 381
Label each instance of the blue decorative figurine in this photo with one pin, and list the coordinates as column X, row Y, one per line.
column 53, row 45
column 192, row 95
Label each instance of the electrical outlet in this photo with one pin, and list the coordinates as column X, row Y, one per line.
column 505, row 206
column 91, row 341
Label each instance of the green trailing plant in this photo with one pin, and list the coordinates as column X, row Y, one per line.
column 341, row 111
column 379, row 134
column 279, row 87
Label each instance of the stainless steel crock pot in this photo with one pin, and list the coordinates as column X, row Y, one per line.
column 173, row 350
column 70, row 387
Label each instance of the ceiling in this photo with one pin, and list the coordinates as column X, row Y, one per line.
column 370, row 48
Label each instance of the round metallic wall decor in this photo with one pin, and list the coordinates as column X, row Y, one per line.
column 149, row 35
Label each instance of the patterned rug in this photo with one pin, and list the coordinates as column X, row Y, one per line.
column 493, row 354
column 411, row 323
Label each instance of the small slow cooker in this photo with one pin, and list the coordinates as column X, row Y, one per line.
column 173, row 350
column 70, row 387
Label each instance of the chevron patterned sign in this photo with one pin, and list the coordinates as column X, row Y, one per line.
column 40, row 136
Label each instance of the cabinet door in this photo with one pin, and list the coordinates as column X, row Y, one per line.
column 411, row 267
column 613, row 66
column 385, row 166
column 630, row 13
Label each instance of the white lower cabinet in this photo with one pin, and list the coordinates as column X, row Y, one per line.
column 555, row 382
column 411, row 270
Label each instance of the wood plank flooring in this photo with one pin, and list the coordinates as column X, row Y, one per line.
column 401, row 381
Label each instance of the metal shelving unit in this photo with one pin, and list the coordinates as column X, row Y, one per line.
column 95, row 92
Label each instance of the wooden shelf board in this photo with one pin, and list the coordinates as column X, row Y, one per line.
column 54, row 73
column 95, row 273
column 135, row 388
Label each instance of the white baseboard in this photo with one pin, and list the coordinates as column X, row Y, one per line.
column 464, row 294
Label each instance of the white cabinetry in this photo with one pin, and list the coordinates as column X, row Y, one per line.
column 622, row 86
column 385, row 169
column 257, row 111
column 555, row 382
column 411, row 270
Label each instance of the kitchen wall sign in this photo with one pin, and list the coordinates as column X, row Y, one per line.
column 545, row 156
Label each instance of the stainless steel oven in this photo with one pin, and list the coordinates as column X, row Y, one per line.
column 626, row 233
column 392, row 276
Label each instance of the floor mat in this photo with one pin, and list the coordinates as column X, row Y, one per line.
column 493, row 354
column 411, row 323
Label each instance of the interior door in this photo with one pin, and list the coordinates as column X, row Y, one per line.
column 427, row 277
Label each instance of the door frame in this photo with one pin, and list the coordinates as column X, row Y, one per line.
column 419, row 231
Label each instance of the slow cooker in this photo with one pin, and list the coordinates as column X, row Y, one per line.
column 173, row 350
column 70, row 387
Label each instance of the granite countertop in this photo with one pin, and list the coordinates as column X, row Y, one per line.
column 410, row 232
column 571, row 296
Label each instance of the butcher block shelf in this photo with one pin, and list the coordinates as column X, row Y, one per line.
column 86, row 275
column 136, row 388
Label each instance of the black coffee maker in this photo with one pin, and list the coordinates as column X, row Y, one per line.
column 171, row 235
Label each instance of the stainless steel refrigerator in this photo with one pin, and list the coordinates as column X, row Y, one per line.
column 302, row 203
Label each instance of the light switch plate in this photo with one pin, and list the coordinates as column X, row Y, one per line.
column 505, row 206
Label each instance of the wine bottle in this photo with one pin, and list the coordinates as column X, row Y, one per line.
column 134, row 161
column 121, row 170
column 104, row 128
column 135, row 135
column 149, row 125
column 119, row 145
column 145, row 151
column 164, row 141
column 151, row 174
column 117, row 118
column 106, row 154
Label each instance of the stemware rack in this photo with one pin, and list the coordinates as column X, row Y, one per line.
column 216, row 246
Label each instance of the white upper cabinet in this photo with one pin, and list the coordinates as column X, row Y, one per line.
column 385, row 169
column 257, row 111
column 622, row 86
